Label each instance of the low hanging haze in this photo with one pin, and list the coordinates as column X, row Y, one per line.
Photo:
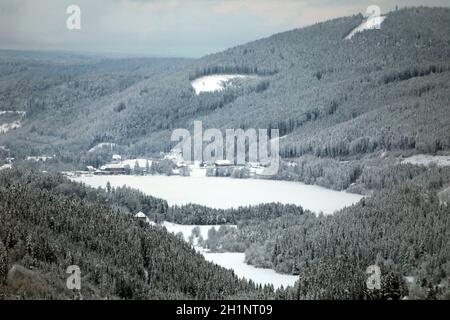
column 183, row 28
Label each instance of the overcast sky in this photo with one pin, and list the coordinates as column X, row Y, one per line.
column 186, row 28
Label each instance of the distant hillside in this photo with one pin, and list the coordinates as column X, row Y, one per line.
column 334, row 98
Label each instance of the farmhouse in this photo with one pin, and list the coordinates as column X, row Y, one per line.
column 116, row 158
column 112, row 169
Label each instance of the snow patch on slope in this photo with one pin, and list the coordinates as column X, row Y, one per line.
column 216, row 82
column 427, row 160
column 9, row 126
column 5, row 127
column 5, row 166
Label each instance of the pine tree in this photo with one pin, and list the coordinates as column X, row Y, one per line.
column 137, row 169
column 3, row 263
column 147, row 167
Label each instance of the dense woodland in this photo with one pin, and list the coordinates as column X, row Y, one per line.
column 291, row 240
column 404, row 227
column 49, row 223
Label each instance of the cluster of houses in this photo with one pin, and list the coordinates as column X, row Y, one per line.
column 119, row 166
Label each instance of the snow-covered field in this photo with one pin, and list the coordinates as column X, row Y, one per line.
column 427, row 160
column 371, row 23
column 232, row 260
column 216, row 82
column 226, row 193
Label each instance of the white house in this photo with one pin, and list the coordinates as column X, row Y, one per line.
column 117, row 157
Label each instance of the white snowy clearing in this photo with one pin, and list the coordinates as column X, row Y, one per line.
column 186, row 230
column 232, row 260
column 5, row 127
column 224, row 193
column 5, row 166
column 39, row 158
column 216, row 82
column 427, row 160
column 371, row 23
column 9, row 126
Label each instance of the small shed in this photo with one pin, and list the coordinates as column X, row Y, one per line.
column 140, row 215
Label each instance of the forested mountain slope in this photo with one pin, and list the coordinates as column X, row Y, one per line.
column 381, row 90
column 48, row 223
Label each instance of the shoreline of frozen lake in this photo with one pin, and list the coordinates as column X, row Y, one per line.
column 225, row 193
column 232, row 260
column 236, row 262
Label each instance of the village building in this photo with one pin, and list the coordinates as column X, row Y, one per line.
column 116, row 158
column 223, row 163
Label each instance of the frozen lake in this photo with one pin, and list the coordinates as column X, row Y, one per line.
column 228, row 193
column 233, row 260
column 236, row 262
column 224, row 193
